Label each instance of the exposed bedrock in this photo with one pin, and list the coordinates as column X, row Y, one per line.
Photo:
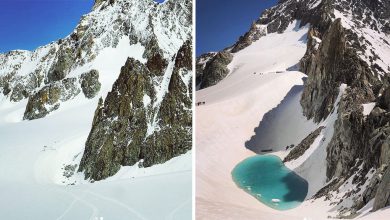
column 216, row 69
column 332, row 64
column 130, row 126
column 358, row 140
column 301, row 148
column 382, row 197
column 49, row 97
column 255, row 32
column 201, row 62
column 90, row 83
column 62, row 64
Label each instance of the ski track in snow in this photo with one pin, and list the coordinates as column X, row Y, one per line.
column 123, row 205
column 95, row 212
column 178, row 208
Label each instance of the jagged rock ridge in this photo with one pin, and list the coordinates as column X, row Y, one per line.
column 121, row 135
column 145, row 23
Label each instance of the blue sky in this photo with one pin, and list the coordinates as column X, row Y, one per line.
column 28, row 24
column 219, row 23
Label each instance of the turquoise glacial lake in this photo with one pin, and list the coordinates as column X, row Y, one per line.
column 267, row 179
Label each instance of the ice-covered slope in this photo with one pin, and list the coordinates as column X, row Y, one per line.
column 41, row 152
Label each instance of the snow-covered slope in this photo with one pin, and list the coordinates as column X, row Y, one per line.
column 40, row 157
column 233, row 108
column 33, row 185
column 265, row 102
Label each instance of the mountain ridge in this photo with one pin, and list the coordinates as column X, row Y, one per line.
column 88, row 61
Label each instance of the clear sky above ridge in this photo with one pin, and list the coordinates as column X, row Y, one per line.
column 28, row 24
column 219, row 23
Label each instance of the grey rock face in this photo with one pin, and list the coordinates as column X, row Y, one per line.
column 255, row 32
column 38, row 104
column 119, row 125
column 334, row 63
column 119, row 134
column 90, row 83
column 301, row 148
column 357, row 139
column 100, row 2
column 371, row 189
column 62, row 64
column 49, row 97
column 18, row 93
column 201, row 62
column 216, row 69
column 19, row 88
column 384, row 100
column 155, row 57
column 382, row 197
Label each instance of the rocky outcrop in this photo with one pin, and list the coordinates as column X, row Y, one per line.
column 334, row 63
column 216, row 69
column 201, row 62
column 255, row 32
column 155, row 57
column 301, row 148
column 49, row 97
column 382, row 197
column 174, row 136
column 100, row 2
column 371, row 190
column 119, row 125
column 62, row 64
column 125, row 130
column 90, row 83
column 17, row 87
column 335, row 56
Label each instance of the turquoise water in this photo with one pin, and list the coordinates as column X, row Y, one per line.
column 266, row 178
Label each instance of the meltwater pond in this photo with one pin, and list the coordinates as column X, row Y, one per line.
column 266, row 178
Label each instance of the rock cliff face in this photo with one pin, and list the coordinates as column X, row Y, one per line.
column 90, row 83
column 382, row 197
column 49, row 97
column 344, row 54
column 215, row 69
column 201, row 62
column 255, row 32
column 129, row 127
